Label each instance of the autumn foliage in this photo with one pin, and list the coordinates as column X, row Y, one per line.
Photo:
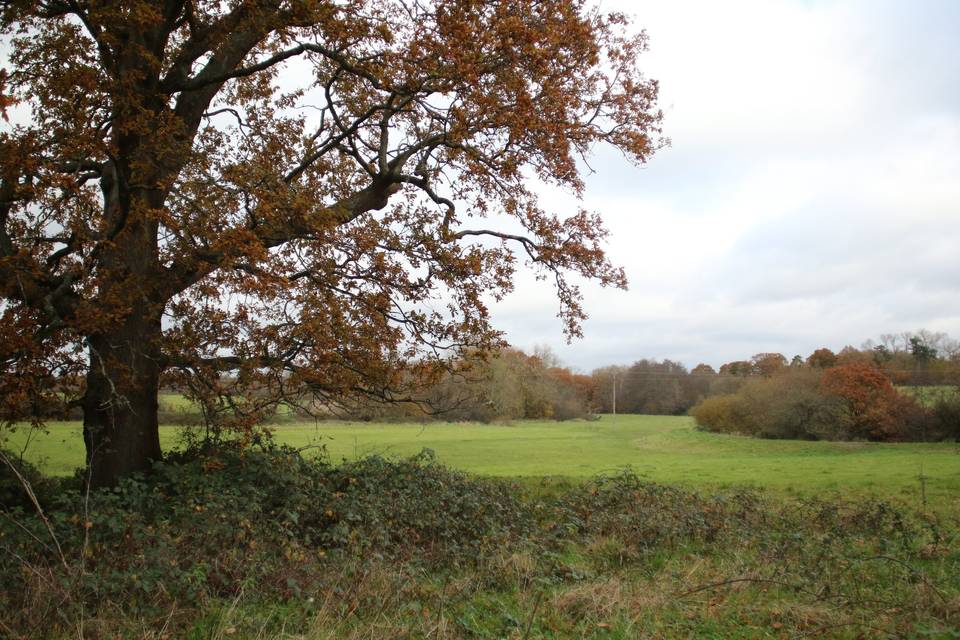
column 872, row 405
column 822, row 358
column 510, row 385
column 266, row 201
column 844, row 402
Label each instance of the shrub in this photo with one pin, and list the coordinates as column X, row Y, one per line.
column 275, row 544
column 791, row 406
column 723, row 414
column 946, row 411
column 853, row 401
column 788, row 405
column 648, row 516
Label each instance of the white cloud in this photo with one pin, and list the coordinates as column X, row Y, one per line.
column 809, row 198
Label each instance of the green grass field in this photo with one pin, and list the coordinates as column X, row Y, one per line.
column 660, row 448
column 629, row 561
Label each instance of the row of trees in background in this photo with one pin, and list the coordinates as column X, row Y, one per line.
column 921, row 358
column 909, row 358
column 649, row 386
column 900, row 388
column 851, row 393
column 514, row 385
column 505, row 385
column 854, row 401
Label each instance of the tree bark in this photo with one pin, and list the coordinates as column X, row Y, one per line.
column 120, row 426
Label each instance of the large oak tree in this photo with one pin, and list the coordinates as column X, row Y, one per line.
column 259, row 199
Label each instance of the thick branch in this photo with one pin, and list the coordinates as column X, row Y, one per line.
column 182, row 275
column 529, row 245
column 203, row 38
column 214, row 74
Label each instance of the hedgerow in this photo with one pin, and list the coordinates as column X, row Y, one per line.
column 274, row 528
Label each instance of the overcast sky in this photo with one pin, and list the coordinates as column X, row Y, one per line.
column 810, row 197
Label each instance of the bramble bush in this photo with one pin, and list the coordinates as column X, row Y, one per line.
column 212, row 524
column 202, row 525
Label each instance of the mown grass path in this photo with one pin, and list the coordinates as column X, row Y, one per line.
column 661, row 448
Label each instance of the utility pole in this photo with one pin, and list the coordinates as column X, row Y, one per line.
column 614, row 393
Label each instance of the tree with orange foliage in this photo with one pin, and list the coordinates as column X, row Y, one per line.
column 263, row 198
column 768, row 364
column 873, row 406
column 581, row 386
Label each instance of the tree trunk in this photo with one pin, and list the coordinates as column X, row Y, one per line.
column 120, row 428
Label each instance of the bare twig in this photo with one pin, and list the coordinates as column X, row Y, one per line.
column 86, row 519
column 36, row 504
column 533, row 614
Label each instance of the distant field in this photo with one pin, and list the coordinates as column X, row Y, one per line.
column 175, row 403
column 930, row 394
column 661, row 448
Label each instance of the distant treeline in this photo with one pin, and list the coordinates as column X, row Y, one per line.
column 901, row 389
column 921, row 358
column 512, row 384
column 855, row 401
column 507, row 385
